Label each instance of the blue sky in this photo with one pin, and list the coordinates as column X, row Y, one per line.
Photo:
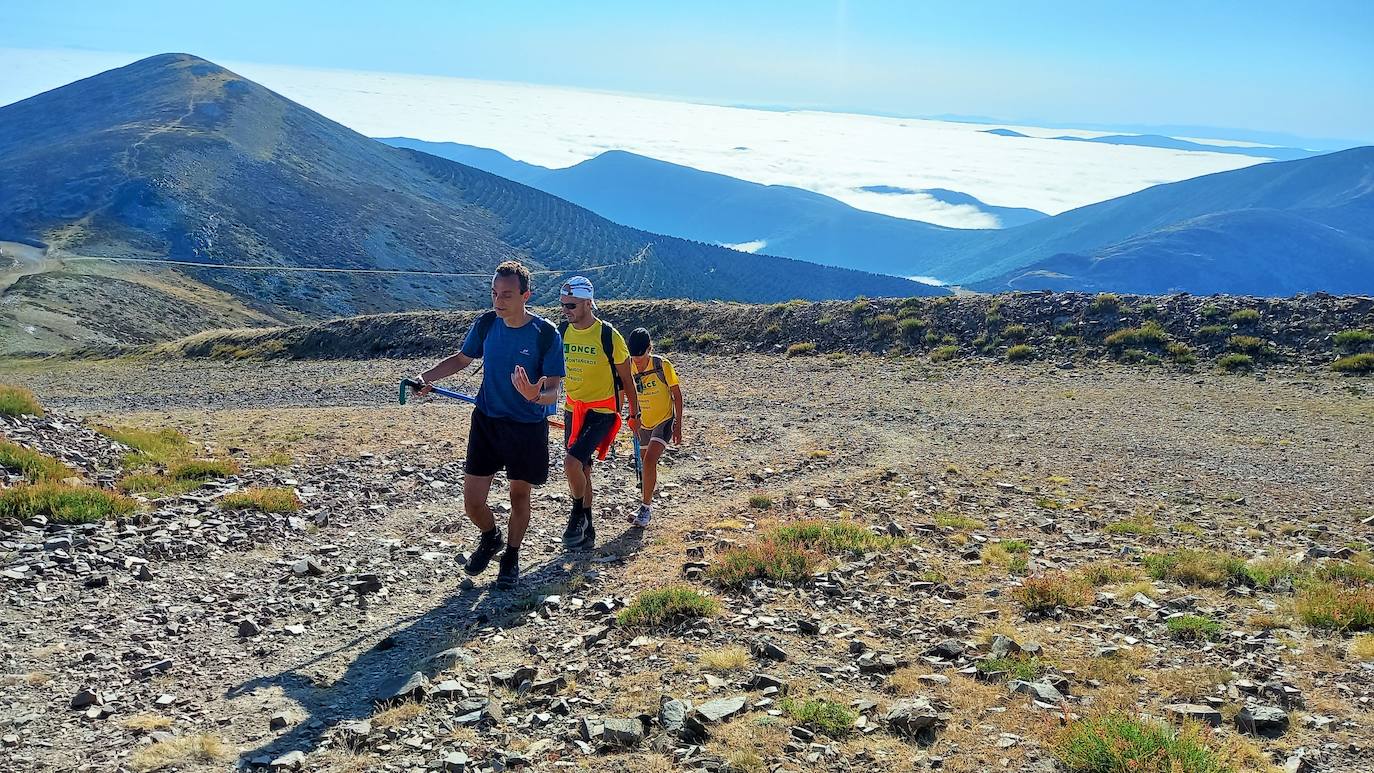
column 1276, row 67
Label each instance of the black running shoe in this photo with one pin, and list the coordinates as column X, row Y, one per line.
column 491, row 542
column 586, row 540
column 509, row 576
column 573, row 533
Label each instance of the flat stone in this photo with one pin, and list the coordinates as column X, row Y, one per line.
column 672, row 713
column 721, row 709
column 292, row 760
column 910, row 716
column 413, row 687
column 1039, row 690
column 612, row 732
column 1264, row 721
column 1194, row 711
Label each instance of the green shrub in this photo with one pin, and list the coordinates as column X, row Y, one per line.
column 1212, row 331
column 773, row 330
column 1181, row 353
column 833, row 719
column 1139, row 525
column 1045, row 592
column 883, row 324
column 1021, row 666
column 1020, row 352
column 1247, row 344
column 1203, row 568
column 1354, row 340
column 1355, row 363
column 1236, row 363
column 1117, row 743
column 1337, row 607
column 1211, row 311
column 760, row 501
column 666, row 607
column 860, row 306
column 1244, row 317
column 1107, row 573
column 1193, row 628
column 801, row 349
column 830, row 537
column 31, row 464
column 912, row 328
column 200, row 469
column 1106, row 302
column 61, row 503
column 953, row 521
column 764, row 560
column 1148, row 336
column 703, row 341
column 944, row 354
column 665, row 343
column 267, row 500
column 18, row 401
column 154, row 484
column 1014, row 332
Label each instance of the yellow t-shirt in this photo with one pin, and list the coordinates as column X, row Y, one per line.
column 655, row 397
column 589, row 374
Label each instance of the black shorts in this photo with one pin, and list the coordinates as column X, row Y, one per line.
column 662, row 432
column 521, row 448
column 595, row 426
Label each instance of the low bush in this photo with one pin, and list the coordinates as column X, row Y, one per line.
column 1244, row 317
column 1336, row 607
column 18, row 401
column 61, row 503
column 200, row 469
column 1020, row 352
column 944, row 353
column 31, row 464
column 266, row 500
column 1106, row 302
column 1354, row 340
column 800, row 349
column 1193, row 628
column 1045, row 592
column 1148, row 336
column 833, row 719
column 828, row 537
column 1247, row 345
column 149, row 446
column 1113, row 743
column 1355, row 363
column 764, row 560
column 667, row 607
column 1236, row 363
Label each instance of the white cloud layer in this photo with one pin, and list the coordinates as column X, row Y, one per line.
column 834, row 154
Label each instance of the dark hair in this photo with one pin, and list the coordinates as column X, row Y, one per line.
column 638, row 342
column 517, row 269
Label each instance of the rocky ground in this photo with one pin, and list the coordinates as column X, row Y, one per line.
column 345, row 636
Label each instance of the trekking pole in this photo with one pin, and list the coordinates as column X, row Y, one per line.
column 412, row 384
column 639, row 465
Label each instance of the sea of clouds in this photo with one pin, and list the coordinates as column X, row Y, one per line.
column 835, row 154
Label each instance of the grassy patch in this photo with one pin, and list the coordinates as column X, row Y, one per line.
column 155, row 485
column 145, row 723
column 833, row 719
column 1105, row 302
column 1015, row 332
column 150, row 446
column 765, row 560
column 1247, row 345
column 1193, row 628
column 31, row 464
column 1148, row 336
column 1236, row 363
column 666, row 607
column 1362, row 647
column 703, row 341
column 912, row 328
column 18, row 401
column 1139, row 525
column 63, row 504
column 944, row 353
column 1244, row 317
column 1355, row 363
column 837, row 537
column 1203, row 568
column 725, row 659
column 1022, row 667
column 801, row 349
column 955, row 521
column 1354, row 340
column 760, row 501
column 267, row 500
column 1113, row 743
column 278, row 458
column 1108, row 573
column 1213, row 331
column 397, row 715
column 1045, row 592
column 183, row 750
column 200, row 469
column 1010, row 554
column 1020, row 352
column 1336, row 607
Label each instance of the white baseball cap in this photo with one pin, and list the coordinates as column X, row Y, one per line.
column 579, row 287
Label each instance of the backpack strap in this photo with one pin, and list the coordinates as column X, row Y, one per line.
column 658, row 369
column 608, row 346
column 483, row 326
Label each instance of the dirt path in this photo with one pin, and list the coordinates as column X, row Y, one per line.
column 26, row 261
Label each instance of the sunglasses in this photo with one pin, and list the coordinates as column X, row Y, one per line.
column 570, row 305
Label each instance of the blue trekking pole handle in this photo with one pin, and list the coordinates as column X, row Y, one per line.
column 412, row 384
column 634, row 440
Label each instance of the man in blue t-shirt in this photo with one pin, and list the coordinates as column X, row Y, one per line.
column 522, row 358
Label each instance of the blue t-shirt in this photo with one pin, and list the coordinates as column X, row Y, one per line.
column 504, row 348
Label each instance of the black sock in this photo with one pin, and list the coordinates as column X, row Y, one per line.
column 490, row 534
column 512, row 552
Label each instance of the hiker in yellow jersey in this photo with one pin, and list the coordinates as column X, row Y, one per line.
column 660, row 402
column 598, row 366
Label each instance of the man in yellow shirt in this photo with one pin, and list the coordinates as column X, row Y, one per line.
column 598, row 366
column 660, row 401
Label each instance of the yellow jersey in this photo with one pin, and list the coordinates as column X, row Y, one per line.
column 655, row 395
column 589, row 378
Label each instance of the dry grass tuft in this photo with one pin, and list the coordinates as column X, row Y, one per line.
column 725, row 659
column 185, row 750
column 145, row 723
column 397, row 715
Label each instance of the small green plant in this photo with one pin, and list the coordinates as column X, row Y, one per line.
column 1015, row 332
column 954, row 521
column 764, row 560
column 860, row 306
column 1203, row 568
column 1247, row 345
column 1193, row 628
column 836, row 537
column 1355, row 364
column 1108, row 573
column 1211, row 311
column 278, row 458
column 200, row 469
column 1236, row 363
column 18, row 401
column 833, row 719
column 1138, row 525
column 760, row 501
column 1105, row 302
column 266, row 500
column 883, row 324
column 149, row 446
column 667, row 607
column 1336, row 607
column 944, row 354
column 773, row 330
column 1243, row 317
column 1114, row 743
column 61, row 503
column 1181, row 353
column 725, row 659
column 1212, row 331
column 704, row 341
column 912, row 328
column 1020, row 352
column 1148, row 336
column 1045, row 592
column 1022, row 667
column 33, row 465
column 1354, row 340
column 665, row 343
column 801, row 349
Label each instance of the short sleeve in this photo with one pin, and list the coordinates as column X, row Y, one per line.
column 669, row 373
column 472, row 345
column 619, row 351
column 553, row 358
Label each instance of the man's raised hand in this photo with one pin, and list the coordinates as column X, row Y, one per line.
column 528, row 389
